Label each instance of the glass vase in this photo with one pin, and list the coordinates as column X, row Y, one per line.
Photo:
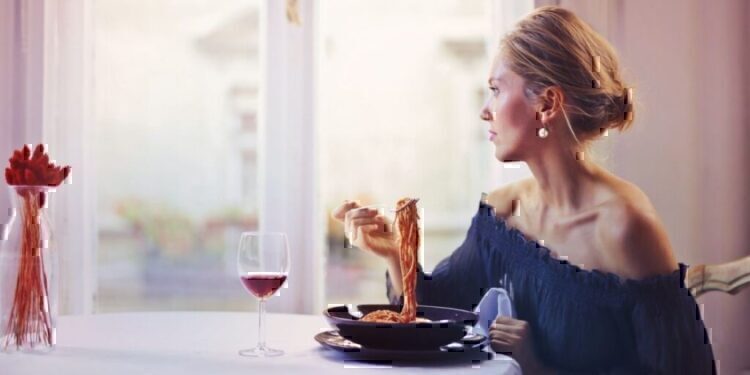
column 28, row 273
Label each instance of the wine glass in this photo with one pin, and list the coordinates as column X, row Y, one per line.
column 263, row 266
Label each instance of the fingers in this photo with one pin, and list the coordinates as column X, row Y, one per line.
column 506, row 324
column 355, row 214
column 340, row 211
column 352, row 217
column 502, row 340
column 518, row 331
column 506, row 320
column 502, row 347
column 365, row 221
column 507, row 337
column 366, row 224
column 365, row 229
column 361, row 213
column 507, row 334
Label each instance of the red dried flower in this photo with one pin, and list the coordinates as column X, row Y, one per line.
column 29, row 320
column 34, row 169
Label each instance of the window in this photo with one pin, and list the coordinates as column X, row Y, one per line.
column 176, row 101
column 191, row 127
column 401, row 89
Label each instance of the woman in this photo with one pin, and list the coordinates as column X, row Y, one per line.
column 593, row 279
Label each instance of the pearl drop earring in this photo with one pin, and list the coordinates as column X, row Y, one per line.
column 542, row 132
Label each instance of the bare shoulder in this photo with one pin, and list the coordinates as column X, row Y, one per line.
column 634, row 236
column 502, row 198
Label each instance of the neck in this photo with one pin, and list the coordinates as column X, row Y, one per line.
column 564, row 180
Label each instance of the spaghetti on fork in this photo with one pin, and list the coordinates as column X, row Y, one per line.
column 407, row 221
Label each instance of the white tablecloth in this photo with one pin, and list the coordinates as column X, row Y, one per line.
column 204, row 343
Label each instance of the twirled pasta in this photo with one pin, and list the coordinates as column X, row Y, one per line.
column 407, row 221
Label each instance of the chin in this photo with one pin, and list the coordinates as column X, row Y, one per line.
column 499, row 155
column 507, row 158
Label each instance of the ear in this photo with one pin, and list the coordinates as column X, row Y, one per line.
column 549, row 103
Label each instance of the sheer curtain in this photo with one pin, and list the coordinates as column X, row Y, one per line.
column 66, row 103
column 42, row 99
column 10, row 62
column 28, row 111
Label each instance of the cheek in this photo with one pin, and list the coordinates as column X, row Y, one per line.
column 513, row 114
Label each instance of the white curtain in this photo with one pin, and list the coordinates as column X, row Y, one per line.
column 68, row 72
column 43, row 100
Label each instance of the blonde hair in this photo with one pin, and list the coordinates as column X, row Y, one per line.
column 553, row 47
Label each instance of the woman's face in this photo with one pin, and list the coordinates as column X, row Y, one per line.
column 510, row 114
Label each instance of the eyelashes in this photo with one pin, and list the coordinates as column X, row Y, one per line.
column 494, row 90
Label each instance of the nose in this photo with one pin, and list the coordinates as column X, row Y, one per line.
column 485, row 113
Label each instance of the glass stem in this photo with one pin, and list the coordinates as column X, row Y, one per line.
column 261, row 326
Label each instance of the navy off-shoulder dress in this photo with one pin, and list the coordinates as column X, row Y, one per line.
column 583, row 321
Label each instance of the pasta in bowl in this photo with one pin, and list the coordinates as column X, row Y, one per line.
column 434, row 327
column 406, row 326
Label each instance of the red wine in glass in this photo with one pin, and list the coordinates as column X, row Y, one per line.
column 263, row 284
column 263, row 267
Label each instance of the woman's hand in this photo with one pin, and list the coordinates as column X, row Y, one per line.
column 368, row 230
column 513, row 337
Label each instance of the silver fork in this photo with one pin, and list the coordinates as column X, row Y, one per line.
column 412, row 201
column 353, row 311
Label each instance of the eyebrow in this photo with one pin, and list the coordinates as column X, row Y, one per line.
column 498, row 79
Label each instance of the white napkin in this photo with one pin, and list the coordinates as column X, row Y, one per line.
column 494, row 304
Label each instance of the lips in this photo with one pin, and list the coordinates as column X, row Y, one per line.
column 492, row 134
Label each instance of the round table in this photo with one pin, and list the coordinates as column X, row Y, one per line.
column 205, row 343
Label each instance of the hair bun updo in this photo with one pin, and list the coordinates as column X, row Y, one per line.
column 553, row 47
column 620, row 110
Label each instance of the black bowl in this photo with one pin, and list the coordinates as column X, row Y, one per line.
column 448, row 325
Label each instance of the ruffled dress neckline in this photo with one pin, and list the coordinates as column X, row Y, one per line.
column 526, row 247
